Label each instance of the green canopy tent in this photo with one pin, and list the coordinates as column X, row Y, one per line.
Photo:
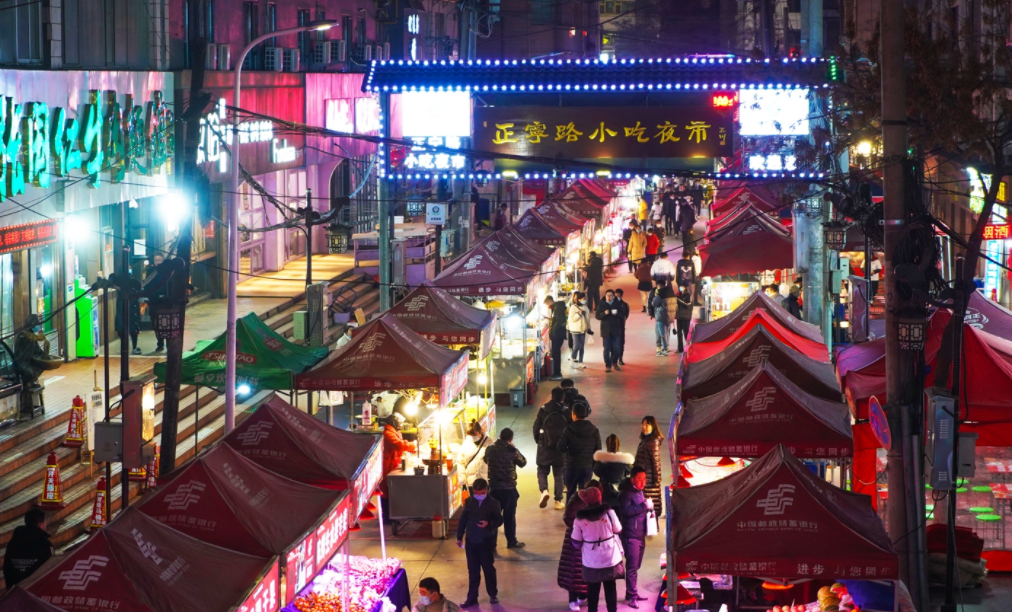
column 265, row 359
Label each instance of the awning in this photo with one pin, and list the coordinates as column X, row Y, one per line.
column 590, row 192
column 19, row 600
column 757, row 346
column 739, row 214
column 531, row 226
column 810, row 348
column 560, row 221
column 753, row 415
column 137, row 564
column 573, row 212
column 441, row 318
column 777, row 519
column 516, row 258
column 386, row 355
column 580, row 201
column 747, row 246
column 723, row 327
column 264, row 359
column 480, row 273
column 225, row 499
column 762, row 199
column 288, row 442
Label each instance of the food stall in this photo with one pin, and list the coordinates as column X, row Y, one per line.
column 579, row 234
column 813, row 349
column 386, row 354
column 722, row 328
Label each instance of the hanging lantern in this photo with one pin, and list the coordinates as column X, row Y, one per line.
column 166, row 320
column 337, row 238
column 835, row 235
column 912, row 329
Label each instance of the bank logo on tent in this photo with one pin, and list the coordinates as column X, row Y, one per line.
column 256, row 433
column 762, row 399
column 83, row 573
column 186, row 495
column 492, row 245
column 473, row 263
column 543, row 209
column 750, row 230
column 525, row 222
column 759, row 355
column 373, row 342
column 777, row 500
column 416, row 303
column 147, row 548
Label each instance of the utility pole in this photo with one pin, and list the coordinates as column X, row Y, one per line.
column 903, row 521
column 178, row 294
column 958, row 310
column 309, row 237
column 384, row 210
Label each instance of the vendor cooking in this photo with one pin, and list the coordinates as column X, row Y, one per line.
column 394, row 447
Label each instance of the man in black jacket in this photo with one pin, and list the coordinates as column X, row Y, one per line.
column 503, row 459
column 609, row 313
column 28, row 548
column 624, row 312
column 579, row 442
column 556, row 333
column 632, row 512
column 480, row 520
column 552, row 420
column 593, row 278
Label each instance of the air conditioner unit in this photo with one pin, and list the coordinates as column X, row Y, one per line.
column 321, row 52
column 211, row 58
column 339, row 51
column 273, row 57
column 363, row 54
column 291, row 60
column 224, row 57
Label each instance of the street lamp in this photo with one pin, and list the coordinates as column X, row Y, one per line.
column 233, row 214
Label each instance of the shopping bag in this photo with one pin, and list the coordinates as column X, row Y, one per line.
column 651, row 522
column 590, row 340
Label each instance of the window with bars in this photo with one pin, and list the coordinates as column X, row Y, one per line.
column 251, row 30
column 304, row 50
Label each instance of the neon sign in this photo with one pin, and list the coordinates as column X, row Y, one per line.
column 215, row 132
column 994, row 231
column 725, row 100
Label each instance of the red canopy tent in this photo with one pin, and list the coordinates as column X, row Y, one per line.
column 515, row 240
column 598, row 186
column 737, row 214
column 533, row 227
column 777, row 519
column 263, row 515
column 723, row 327
column 480, row 273
column 441, row 318
column 19, row 600
column 810, row 348
column 580, row 202
column 757, row 345
column 593, row 192
column 574, row 212
column 289, row 442
column 756, row 413
column 525, row 261
column 386, row 354
column 751, row 246
column 743, row 196
column 560, row 220
column 137, row 564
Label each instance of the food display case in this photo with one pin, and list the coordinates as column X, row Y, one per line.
column 518, row 351
column 374, row 585
column 722, row 297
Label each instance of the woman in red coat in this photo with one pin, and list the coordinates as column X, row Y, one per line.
column 653, row 245
column 394, row 447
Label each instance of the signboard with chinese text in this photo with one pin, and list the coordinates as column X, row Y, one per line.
column 435, row 213
column 368, row 479
column 455, row 495
column 997, row 231
column 331, row 534
column 264, row 597
column 28, row 235
column 454, row 381
column 300, row 566
column 604, row 132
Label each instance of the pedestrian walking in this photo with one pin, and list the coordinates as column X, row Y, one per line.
column 623, row 308
column 609, row 314
column 595, row 533
column 663, row 269
column 653, row 245
column 670, row 211
column 472, row 455
column 644, row 284
column 556, row 333
column 430, row 599
column 656, row 212
column 579, row 441
column 476, row 534
column 636, row 250
column 774, row 292
column 686, row 221
column 394, row 447
column 551, row 422
column 578, row 325
column 593, row 278
column 503, row 459
column 570, row 394
column 683, row 316
column 632, row 512
column 611, row 468
column 502, row 217
column 648, row 457
column 570, row 576
column 792, row 302
column 28, row 548
column 659, row 313
column 643, row 212
column 133, row 334
column 685, row 270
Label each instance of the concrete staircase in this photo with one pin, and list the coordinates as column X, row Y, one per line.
column 25, row 447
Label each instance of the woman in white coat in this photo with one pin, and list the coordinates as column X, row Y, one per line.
column 595, row 533
column 471, row 456
column 578, row 324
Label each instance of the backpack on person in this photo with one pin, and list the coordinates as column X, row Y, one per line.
column 552, row 427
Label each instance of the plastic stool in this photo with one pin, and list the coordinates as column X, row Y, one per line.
column 991, row 524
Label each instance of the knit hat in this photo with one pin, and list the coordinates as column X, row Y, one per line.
column 591, row 496
column 795, row 290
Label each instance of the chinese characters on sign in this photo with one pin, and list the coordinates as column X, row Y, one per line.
column 420, row 158
column 604, row 132
column 29, row 235
column 996, row 232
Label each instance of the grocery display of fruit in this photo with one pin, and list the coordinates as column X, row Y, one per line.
column 830, row 599
column 368, row 580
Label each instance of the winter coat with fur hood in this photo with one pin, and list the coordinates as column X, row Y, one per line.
column 611, row 469
column 596, row 532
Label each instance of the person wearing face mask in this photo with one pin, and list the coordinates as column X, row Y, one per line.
column 503, row 459
column 394, row 447
column 431, row 600
column 636, row 250
column 578, row 325
column 632, row 512
column 472, row 455
column 609, row 313
column 551, row 421
column 648, row 457
column 480, row 522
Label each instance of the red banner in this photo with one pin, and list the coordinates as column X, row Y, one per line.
column 264, row 597
column 331, row 533
column 28, row 235
column 368, row 479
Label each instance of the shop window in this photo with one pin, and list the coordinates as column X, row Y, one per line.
column 251, row 27
column 304, row 51
column 21, row 33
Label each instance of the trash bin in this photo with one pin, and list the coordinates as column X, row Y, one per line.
column 517, row 397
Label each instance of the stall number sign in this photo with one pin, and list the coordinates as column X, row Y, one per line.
column 435, row 214
column 28, row 235
column 332, row 532
column 216, row 132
